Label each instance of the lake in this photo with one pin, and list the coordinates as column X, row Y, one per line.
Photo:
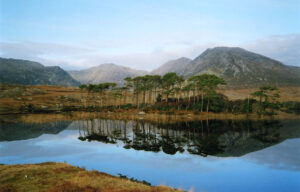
column 203, row 155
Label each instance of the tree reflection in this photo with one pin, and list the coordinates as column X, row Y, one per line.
column 204, row 137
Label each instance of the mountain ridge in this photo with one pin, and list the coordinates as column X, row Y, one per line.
column 25, row 72
column 238, row 67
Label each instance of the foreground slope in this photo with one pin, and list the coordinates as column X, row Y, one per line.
column 61, row 177
column 241, row 68
column 105, row 73
column 16, row 71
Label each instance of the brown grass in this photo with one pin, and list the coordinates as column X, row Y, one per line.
column 287, row 93
column 61, row 177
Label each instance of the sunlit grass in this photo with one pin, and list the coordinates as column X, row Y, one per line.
column 52, row 177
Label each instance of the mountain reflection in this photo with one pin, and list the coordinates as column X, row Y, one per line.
column 23, row 131
column 222, row 138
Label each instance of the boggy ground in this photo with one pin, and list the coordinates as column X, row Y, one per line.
column 61, row 177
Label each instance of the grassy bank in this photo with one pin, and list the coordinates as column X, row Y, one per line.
column 61, row 177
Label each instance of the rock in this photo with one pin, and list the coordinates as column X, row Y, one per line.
column 141, row 113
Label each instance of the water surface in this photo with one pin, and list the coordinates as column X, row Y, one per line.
column 212, row 155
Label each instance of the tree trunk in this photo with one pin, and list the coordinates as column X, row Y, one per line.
column 248, row 110
column 125, row 97
column 150, row 96
column 207, row 107
column 202, row 98
column 144, row 97
column 194, row 96
column 155, row 95
column 137, row 100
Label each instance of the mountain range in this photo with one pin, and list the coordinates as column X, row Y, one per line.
column 16, row 71
column 240, row 69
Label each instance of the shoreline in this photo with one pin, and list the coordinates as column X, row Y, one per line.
column 134, row 115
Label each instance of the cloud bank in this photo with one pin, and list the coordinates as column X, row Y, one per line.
column 285, row 48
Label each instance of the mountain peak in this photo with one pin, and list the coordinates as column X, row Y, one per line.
column 107, row 64
column 242, row 68
column 182, row 58
column 218, row 50
column 224, row 48
column 176, row 66
column 107, row 72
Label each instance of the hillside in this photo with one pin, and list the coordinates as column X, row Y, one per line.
column 16, row 71
column 105, row 73
column 241, row 68
column 177, row 66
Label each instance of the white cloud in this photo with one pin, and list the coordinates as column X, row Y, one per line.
column 46, row 53
column 75, row 57
column 285, row 48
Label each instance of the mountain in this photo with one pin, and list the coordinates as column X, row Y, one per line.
column 241, row 68
column 16, row 71
column 176, row 66
column 105, row 73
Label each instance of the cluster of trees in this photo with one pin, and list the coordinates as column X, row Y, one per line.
column 196, row 93
column 267, row 98
column 171, row 87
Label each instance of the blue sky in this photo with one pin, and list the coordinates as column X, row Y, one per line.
column 143, row 34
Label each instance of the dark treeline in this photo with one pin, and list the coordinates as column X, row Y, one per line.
column 206, row 137
column 173, row 92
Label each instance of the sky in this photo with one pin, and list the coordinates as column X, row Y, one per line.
column 144, row 34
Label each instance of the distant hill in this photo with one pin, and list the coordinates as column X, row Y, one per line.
column 241, row 68
column 177, row 66
column 105, row 73
column 16, row 71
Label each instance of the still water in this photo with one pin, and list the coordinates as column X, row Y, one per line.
column 211, row 155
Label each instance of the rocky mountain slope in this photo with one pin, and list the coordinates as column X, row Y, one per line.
column 241, row 68
column 176, row 66
column 16, row 71
column 105, row 73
